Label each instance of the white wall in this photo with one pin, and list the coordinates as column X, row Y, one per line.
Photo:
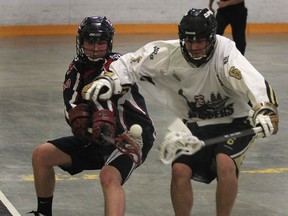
column 41, row 12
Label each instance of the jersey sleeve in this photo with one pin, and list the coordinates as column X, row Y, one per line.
column 240, row 75
column 71, row 87
column 147, row 62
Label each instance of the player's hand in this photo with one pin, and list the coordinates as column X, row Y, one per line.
column 211, row 8
column 265, row 122
column 103, row 87
column 99, row 89
column 103, row 123
column 266, row 116
column 222, row 4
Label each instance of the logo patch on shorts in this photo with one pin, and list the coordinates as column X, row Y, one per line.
column 230, row 141
column 235, row 72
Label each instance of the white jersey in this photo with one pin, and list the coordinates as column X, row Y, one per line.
column 216, row 92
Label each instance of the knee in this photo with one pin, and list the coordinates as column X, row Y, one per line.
column 37, row 154
column 181, row 172
column 110, row 175
column 40, row 155
column 225, row 167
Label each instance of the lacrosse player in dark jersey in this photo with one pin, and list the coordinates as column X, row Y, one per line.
column 86, row 149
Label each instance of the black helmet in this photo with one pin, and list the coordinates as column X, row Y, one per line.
column 94, row 28
column 197, row 24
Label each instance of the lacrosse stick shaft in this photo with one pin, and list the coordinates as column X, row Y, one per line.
column 108, row 138
column 180, row 141
column 234, row 135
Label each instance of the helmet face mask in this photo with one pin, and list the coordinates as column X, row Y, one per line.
column 197, row 26
column 94, row 50
column 197, row 49
column 94, row 39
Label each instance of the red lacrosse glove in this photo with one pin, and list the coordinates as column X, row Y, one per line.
column 79, row 120
column 103, row 123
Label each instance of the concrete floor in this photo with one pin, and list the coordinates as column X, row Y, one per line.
column 31, row 74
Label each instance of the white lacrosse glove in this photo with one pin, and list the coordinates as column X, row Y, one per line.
column 176, row 144
column 265, row 115
column 102, row 88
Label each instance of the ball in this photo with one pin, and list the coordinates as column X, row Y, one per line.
column 136, row 131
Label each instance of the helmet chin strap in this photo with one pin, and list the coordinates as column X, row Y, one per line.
column 197, row 58
column 95, row 59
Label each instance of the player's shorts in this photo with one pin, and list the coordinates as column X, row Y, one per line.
column 203, row 163
column 90, row 156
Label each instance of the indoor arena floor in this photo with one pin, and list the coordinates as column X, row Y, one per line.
column 31, row 74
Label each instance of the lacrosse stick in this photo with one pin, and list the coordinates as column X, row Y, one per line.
column 180, row 141
column 128, row 143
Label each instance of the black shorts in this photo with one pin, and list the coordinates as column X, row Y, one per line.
column 203, row 162
column 90, row 156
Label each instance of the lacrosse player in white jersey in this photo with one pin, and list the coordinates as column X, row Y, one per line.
column 211, row 86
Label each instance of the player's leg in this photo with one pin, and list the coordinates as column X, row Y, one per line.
column 227, row 185
column 114, row 195
column 229, row 157
column 238, row 25
column 181, row 189
column 222, row 22
column 44, row 158
column 113, row 175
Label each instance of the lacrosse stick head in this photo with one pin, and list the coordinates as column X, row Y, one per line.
column 176, row 144
column 131, row 143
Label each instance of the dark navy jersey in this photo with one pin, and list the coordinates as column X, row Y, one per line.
column 129, row 108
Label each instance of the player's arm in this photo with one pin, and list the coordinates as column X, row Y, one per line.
column 110, row 82
column 71, row 85
column 241, row 76
column 148, row 61
column 210, row 6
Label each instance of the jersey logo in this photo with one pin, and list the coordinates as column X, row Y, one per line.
column 225, row 60
column 235, row 72
column 156, row 49
column 215, row 107
column 137, row 60
column 208, row 13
